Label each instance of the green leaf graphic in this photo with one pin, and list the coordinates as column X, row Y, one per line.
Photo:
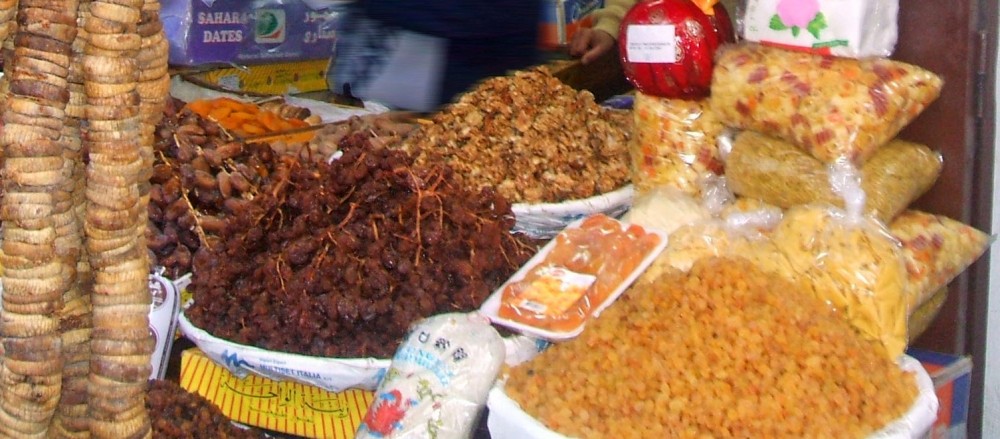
column 796, row 30
column 777, row 24
column 817, row 24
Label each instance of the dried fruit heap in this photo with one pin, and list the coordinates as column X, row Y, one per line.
column 177, row 413
column 200, row 174
column 725, row 350
column 338, row 260
column 531, row 137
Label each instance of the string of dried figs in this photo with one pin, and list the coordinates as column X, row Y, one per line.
column 115, row 216
column 37, row 213
column 71, row 418
column 341, row 258
column 199, row 175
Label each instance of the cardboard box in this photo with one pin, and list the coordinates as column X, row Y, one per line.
column 952, row 376
column 267, row 79
column 250, row 32
column 562, row 18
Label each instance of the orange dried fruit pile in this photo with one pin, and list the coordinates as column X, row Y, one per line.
column 244, row 119
column 725, row 350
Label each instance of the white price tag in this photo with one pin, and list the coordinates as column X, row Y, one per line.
column 651, row 43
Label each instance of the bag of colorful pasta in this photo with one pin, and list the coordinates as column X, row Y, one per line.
column 832, row 108
column 674, row 143
column 937, row 249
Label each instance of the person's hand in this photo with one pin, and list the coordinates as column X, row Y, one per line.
column 590, row 44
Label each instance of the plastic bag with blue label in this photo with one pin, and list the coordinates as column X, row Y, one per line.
column 438, row 381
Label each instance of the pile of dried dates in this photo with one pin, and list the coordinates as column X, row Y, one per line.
column 338, row 259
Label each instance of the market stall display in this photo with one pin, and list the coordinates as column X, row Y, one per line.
column 314, row 260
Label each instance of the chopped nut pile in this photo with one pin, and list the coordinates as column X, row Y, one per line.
column 532, row 138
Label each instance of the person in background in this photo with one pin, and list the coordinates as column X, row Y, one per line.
column 420, row 54
column 591, row 43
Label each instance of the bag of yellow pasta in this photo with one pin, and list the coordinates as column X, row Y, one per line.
column 778, row 173
column 674, row 143
column 832, row 108
column 853, row 264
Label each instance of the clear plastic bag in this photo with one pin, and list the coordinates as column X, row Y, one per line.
column 438, row 381
column 778, row 173
column 735, row 233
column 577, row 274
column 832, row 108
column 937, row 249
column 854, row 265
column 674, row 143
column 667, row 209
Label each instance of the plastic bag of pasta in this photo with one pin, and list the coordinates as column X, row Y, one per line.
column 937, row 249
column 732, row 232
column 778, row 173
column 852, row 263
column 924, row 314
column 832, row 108
column 674, row 143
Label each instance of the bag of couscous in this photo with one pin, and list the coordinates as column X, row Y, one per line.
column 832, row 108
column 778, row 173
